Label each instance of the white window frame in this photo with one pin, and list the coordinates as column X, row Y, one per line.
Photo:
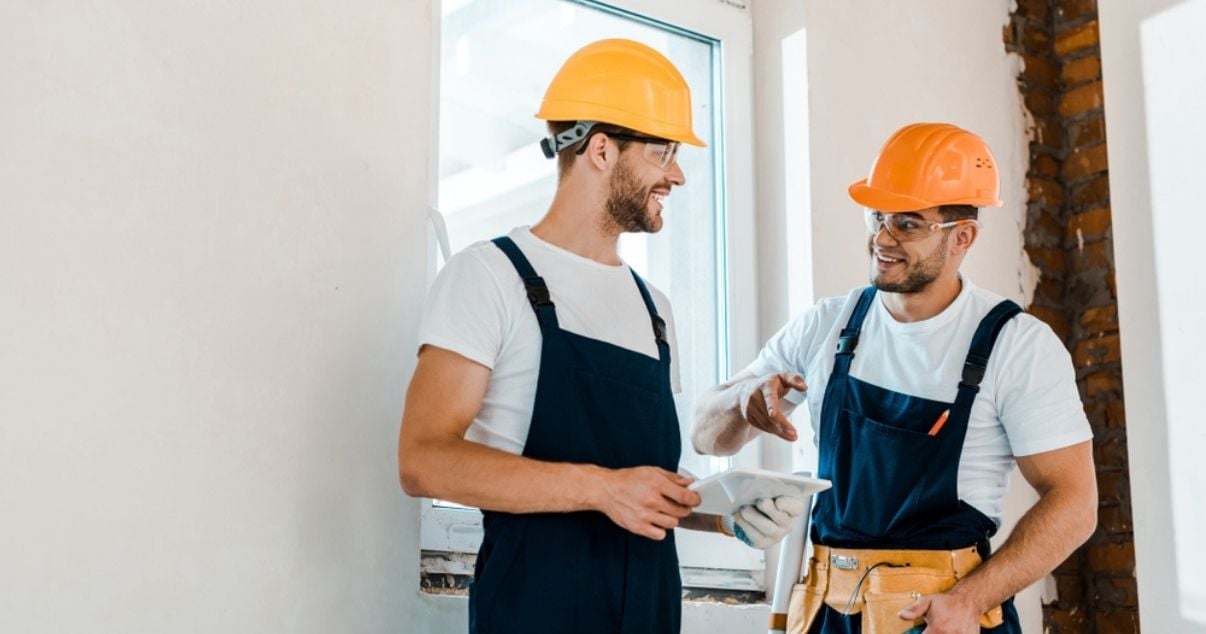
column 708, row 560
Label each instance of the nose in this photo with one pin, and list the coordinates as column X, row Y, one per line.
column 675, row 175
column 888, row 240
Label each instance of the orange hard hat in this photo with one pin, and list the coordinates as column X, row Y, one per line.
column 927, row 165
column 624, row 83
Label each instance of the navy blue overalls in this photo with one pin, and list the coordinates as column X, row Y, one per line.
column 596, row 403
column 894, row 485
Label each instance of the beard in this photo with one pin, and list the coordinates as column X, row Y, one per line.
column 917, row 275
column 627, row 206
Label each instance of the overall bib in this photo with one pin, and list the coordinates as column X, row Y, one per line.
column 895, row 486
column 601, row 404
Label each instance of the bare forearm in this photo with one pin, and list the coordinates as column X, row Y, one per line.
column 1045, row 536
column 720, row 426
column 473, row 474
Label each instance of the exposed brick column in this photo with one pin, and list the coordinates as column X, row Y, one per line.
column 1069, row 239
column 1030, row 34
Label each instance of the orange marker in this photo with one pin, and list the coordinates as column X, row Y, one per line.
column 939, row 423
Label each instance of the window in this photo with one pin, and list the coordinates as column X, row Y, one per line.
column 493, row 177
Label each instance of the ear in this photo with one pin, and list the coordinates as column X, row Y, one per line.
column 963, row 237
column 599, row 153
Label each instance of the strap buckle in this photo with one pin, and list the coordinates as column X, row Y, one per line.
column 538, row 292
column 973, row 370
column 844, row 562
column 847, row 344
column 659, row 329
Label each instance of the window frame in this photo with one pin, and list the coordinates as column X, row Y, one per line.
column 709, row 561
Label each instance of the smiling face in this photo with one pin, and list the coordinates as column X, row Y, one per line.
column 912, row 266
column 637, row 190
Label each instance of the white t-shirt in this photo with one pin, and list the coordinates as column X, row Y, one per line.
column 478, row 309
column 1028, row 401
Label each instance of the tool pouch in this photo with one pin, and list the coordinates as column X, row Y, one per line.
column 891, row 589
column 878, row 597
column 807, row 598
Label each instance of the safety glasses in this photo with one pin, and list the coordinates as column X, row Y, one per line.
column 904, row 227
column 660, row 152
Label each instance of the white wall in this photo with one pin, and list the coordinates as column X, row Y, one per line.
column 782, row 169
column 781, row 172
column 211, row 248
column 1155, row 92
column 877, row 66
column 873, row 67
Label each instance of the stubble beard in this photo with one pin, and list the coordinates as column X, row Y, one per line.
column 627, row 206
column 918, row 275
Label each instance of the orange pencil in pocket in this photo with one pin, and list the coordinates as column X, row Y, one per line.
column 939, row 423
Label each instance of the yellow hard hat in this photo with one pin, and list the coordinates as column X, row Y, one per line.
column 927, row 165
column 624, row 83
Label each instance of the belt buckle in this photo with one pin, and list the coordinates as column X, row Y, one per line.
column 844, row 562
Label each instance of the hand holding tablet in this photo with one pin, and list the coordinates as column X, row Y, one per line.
column 725, row 492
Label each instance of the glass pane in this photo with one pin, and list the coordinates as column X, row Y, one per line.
column 497, row 58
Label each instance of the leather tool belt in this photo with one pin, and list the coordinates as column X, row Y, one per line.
column 878, row 584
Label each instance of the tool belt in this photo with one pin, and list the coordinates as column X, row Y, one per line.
column 878, row 584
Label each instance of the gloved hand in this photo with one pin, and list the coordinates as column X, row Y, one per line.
column 765, row 522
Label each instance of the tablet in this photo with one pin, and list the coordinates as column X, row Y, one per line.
column 725, row 492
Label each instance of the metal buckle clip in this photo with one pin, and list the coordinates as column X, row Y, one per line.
column 844, row 562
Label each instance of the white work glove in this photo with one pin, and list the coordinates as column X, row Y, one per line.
column 765, row 522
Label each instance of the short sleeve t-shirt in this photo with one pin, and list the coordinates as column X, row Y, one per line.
column 1028, row 401
column 478, row 308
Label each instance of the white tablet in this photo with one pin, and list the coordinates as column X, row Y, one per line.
column 725, row 492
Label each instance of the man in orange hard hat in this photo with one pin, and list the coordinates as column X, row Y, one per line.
column 924, row 391
column 544, row 389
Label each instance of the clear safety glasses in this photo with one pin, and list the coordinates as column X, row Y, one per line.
column 660, row 152
column 905, row 227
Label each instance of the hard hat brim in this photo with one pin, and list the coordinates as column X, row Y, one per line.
column 893, row 202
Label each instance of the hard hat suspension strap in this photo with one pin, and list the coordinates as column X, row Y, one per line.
column 554, row 144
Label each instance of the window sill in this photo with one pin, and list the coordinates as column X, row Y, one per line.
column 449, row 574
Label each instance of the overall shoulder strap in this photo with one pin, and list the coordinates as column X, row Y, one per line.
column 981, row 348
column 848, row 339
column 533, row 284
column 659, row 324
column 983, row 342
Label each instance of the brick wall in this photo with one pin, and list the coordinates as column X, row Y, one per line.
column 1069, row 239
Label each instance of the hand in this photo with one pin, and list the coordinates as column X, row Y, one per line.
column 944, row 614
column 765, row 522
column 647, row 501
column 762, row 408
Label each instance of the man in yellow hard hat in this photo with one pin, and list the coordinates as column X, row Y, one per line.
column 544, row 389
column 924, row 391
